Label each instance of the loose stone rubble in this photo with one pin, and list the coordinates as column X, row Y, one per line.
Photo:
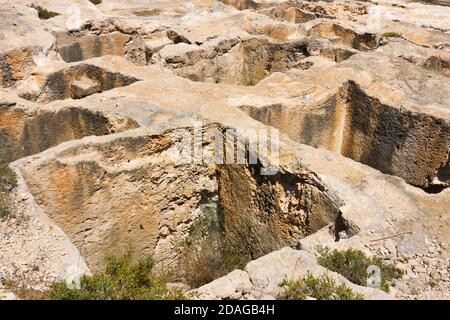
column 359, row 91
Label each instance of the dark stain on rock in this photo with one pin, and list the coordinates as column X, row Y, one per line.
column 58, row 85
column 395, row 141
column 6, row 74
column 71, row 53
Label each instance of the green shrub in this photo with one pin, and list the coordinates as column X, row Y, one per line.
column 43, row 13
column 320, row 288
column 208, row 262
column 206, row 254
column 353, row 264
column 121, row 280
column 391, row 35
column 22, row 292
column 3, row 206
column 96, row 2
column 8, row 181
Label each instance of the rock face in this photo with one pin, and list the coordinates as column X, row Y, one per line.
column 350, row 99
column 410, row 145
column 21, row 38
column 265, row 213
column 77, row 48
column 124, row 177
column 26, row 131
column 413, row 146
column 75, row 184
column 76, row 82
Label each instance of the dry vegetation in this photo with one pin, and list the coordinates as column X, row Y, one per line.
column 319, row 288
column 8, row 181
column 353, row 265
column 121, row 280
column 43, row 13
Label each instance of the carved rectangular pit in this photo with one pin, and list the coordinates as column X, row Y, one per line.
column 128, row 191
column 71, row 83
column 73, row 48
column 239, row 62
column 410, row 145
column 24, row 133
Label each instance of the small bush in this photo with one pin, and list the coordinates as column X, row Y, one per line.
column 8, row 181
column 320, row 288
column 122, row 280
column 96, row 2
column 209, row 262
column 3, row 211
column 391, row 35
column 353, row 264
column 23, row 292
column 43, row 13
column 206, row 254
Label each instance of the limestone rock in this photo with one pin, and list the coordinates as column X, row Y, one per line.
column 414, row 244
column 84, row 87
